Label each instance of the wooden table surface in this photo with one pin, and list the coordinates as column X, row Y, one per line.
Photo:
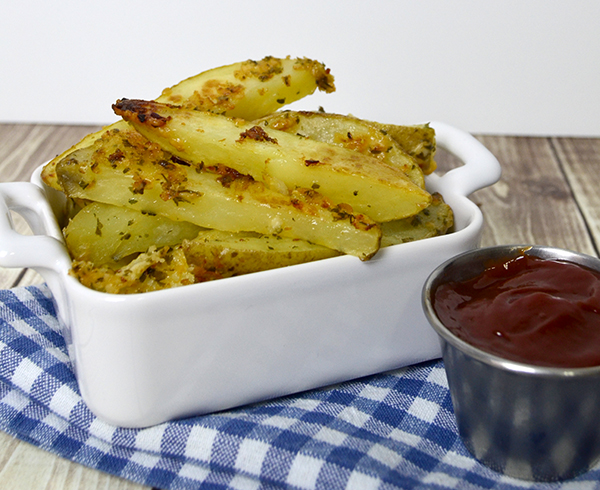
column 548, row 195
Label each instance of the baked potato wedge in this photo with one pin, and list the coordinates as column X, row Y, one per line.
column 250, row 89
column 49, row 170
column 105, row 234
column 225, row 254
column 349, row 132
column 125, row 169
column 101, row 238
column 435, row 220
column 211, row 255
column 417, row 140
column 369, row 186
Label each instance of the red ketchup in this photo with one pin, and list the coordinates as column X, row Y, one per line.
column 530, row 310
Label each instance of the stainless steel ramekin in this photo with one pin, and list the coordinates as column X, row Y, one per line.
column 526, row 421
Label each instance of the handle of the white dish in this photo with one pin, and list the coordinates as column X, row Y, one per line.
column 44, row 249
column 481, row 168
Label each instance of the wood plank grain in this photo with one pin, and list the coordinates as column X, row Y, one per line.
column 28, row 277
column 23, row 147
column 580, row 160
column 532, row 203
column 26, row 467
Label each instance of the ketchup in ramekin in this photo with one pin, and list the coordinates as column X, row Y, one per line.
column 527, row 309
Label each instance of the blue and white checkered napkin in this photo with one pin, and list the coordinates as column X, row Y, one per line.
column 391, row 431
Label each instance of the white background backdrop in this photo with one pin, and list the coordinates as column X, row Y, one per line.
column 499, row 67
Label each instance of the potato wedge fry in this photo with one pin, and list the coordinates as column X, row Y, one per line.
column 211, row 255
column 49, row 171
column 217, row 254
column 125, row 169
column 248, row 90
column 435, row 220
column 348, row 132
column 417, row 140
column 106, row 234
column 370, row 187
column 251, row 89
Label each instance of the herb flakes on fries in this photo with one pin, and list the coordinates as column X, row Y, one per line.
column 213, row 180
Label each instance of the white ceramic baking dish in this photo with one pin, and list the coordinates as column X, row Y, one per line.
column 146, row 358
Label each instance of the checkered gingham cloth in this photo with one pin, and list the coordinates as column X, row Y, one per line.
column 391, row 431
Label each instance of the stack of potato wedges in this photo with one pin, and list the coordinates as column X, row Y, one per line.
column 213, row 179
